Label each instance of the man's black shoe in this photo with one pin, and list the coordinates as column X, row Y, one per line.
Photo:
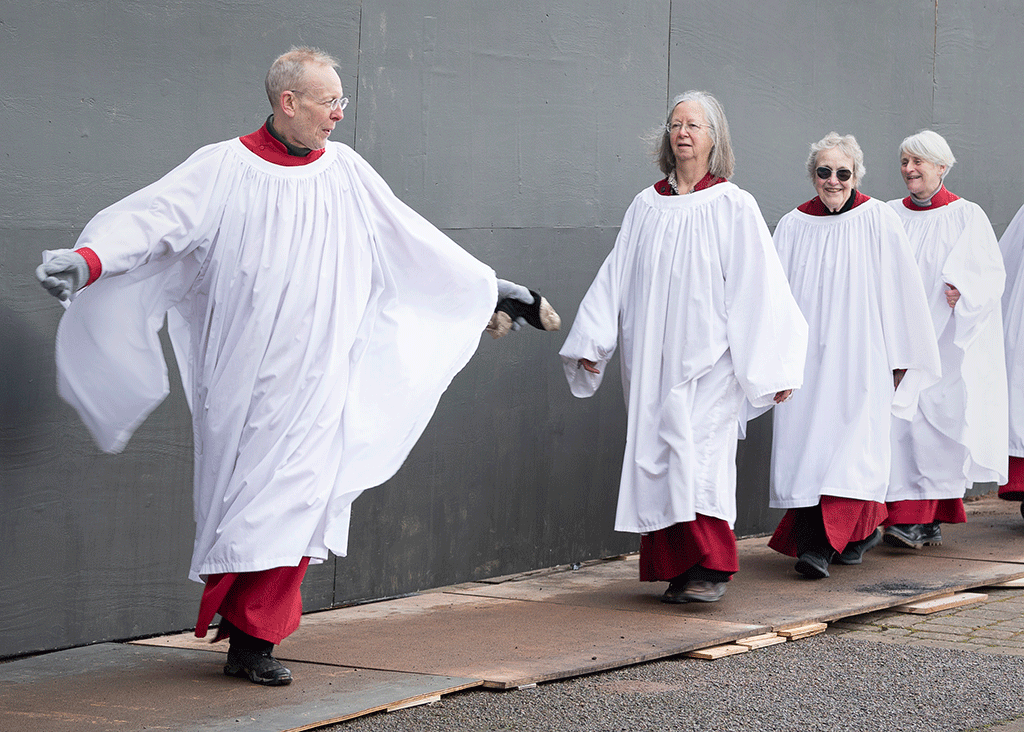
column 854, row 551
column 257, row 666
column 813, row 564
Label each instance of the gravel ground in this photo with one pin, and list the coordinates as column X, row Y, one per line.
column 826, row 682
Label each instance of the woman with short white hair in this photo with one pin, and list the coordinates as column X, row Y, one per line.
column 871, row 349
column 958, row 435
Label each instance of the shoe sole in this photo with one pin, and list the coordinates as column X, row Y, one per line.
column 674, row 600
column 241, row 673
column 811, row 571
column 698, row 598
column 901, row 543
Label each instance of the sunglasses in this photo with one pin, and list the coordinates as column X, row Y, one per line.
column 825, row 173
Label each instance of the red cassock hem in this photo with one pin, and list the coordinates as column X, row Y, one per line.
column 266, row 605
column 706, row 541
column 845, row 519
column 1014, row 488
column 947, row 510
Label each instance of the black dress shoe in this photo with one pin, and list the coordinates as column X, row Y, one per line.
column 813, row 564
column 258, row 666
column 854, row 551
column 931, row 534
column 910, row 536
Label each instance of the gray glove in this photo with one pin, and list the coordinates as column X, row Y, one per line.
column 510, row 290
column 64, row 274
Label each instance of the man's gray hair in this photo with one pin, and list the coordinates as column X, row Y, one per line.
column 289, row 70
column 846, row 144
column 722, row 160
column 931, row 146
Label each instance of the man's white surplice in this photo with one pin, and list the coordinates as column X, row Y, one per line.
column 856, row 281
column 316, row 321
column 694, row 294
column 1012, row 246
column 955, row 244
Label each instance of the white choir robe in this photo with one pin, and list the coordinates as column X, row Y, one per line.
column 856, row 281
column 955, row 244
column 1011, row 243
column 694, row 294
column 316, row 321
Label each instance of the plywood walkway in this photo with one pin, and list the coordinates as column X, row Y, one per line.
column 501, row 634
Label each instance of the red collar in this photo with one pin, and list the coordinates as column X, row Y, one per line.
column 262, row 143
column 815, row 207
column 941, row 198
column 663, row 187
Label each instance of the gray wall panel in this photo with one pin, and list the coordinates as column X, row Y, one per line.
column 102, row 98
column 512, row 114
column 979, row 100
column 787, row 80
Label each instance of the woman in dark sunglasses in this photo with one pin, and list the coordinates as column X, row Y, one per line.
column 958, row 435
column 852, row 271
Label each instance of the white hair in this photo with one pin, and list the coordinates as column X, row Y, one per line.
column 846, row 144
column 931, row 146
column 289, row 70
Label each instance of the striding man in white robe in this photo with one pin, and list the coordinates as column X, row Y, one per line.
column 316, row 321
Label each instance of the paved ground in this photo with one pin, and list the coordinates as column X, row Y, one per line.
column 956, row 670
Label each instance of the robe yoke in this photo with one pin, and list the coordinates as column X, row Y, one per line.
column 856, row 281
column 955, row 244
column 316, row 321
column 694, row 295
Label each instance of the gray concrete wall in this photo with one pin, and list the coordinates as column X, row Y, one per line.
column 514, row 127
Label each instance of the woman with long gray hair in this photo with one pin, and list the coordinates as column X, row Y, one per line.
column 694, row 294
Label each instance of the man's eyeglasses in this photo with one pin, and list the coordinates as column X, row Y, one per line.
column 335, row 105
column 825, row 173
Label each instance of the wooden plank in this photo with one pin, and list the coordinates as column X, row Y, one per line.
column 927, row 607
column 1014, row 583
column 769, row 639
column 710, row 654
column 415, row 702
column 802, row 631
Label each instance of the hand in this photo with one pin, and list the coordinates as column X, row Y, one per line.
column 588, row 365
column 952, row 295
column 897, row 377
column 781, row 396
column 508, row 290
column 64, row 274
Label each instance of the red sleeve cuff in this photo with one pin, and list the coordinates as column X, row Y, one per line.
column 95, row 268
